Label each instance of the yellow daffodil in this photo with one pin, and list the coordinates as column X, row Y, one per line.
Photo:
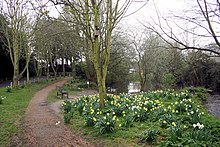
column 174, row 124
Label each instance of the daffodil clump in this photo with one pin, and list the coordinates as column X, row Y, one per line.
column 174, row 112
column 1, row 99
column 8, row 88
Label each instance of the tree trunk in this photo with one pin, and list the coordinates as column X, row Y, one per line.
column 16, row 65
column 63, row 65
column 28, row 76
column 47, row 69
column 101, row 88
column 16, row 74
column 73, row 66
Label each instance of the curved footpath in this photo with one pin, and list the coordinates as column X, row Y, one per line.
column 41, row 127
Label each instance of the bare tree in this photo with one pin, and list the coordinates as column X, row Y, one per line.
column 97, row 19
column 19, row 33
column 201, row 23
column 16, row 16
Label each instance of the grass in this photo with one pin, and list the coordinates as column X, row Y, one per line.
column 72, row 87
column 121, row 137
column 52, row 97
column 124, row 138
column 13, row 109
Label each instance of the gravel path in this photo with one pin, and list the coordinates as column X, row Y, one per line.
column 213, row 105
column 41, row 127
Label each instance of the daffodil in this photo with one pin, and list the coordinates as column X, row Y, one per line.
column 174, row 124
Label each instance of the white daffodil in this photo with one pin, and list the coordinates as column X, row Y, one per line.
column 58, row 122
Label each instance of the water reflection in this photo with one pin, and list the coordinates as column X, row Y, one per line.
column 134, row 87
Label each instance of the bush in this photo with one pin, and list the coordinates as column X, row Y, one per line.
column 199, row 92
column 149, row 135
column 106, row 124
column 8, row 88
column 1, row 99
column 67, row 106
column 128, row 121
column 175, row 132
column 90, row 85
column 67, row 117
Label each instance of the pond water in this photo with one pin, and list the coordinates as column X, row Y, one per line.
column 131, row 87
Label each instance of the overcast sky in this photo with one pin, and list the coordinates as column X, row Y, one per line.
column 149, row 10
column 146, row 14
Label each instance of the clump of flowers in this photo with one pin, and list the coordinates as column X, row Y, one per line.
column 67, row 108
column 106, row 123
column 8, row 88
column 149, row 135
column 198, row 125
column 1, row 99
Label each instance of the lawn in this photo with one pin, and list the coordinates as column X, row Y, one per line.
column 13, row 108
column 72, row 87
column 157, row 118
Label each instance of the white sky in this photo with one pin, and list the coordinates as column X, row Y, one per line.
column 148, row 13
column 145, row 14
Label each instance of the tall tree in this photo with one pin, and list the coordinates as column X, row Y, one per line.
column 97, row 19
column 19, row 34
column 16, row 16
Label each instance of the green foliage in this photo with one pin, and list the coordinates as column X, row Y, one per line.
column 90, row 85
column 67, row 117
column 149, row 135
column 1, row 99
column 175, row 132
column 128, row 121
column 79, row 84
column 106, row 124
column 169, row 81
column 175, row 113
column 198, row 135
column 67, row 109
column 8, row 89
column 67, row 106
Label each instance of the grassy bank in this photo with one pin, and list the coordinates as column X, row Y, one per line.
column 157, row 118
column 13, row 108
